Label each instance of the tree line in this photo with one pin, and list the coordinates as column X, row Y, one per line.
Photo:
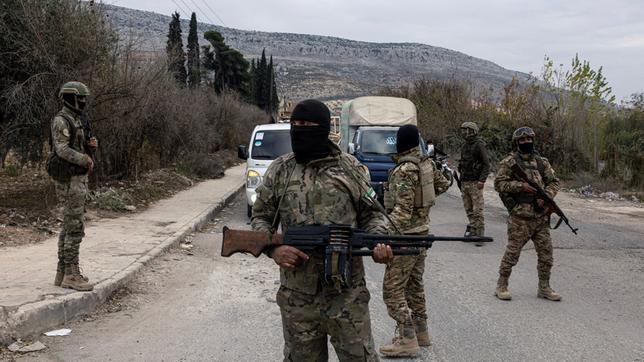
column 145, row 115
column 579, row 127
column 222, row 67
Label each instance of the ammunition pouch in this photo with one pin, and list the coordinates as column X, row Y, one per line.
column 62, row 170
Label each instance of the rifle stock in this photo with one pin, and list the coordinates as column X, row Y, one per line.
column 246, row 241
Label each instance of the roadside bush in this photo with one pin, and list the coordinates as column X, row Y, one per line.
column 143, row 119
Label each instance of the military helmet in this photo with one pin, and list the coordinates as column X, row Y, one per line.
column 470, row 125
column 75, row 88
column 522, row 132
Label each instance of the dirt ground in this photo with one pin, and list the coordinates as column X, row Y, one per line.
column 28, row 210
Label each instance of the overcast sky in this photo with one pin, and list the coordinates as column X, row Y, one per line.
column 515, row 34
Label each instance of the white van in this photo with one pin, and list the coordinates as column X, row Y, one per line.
column 268, row 142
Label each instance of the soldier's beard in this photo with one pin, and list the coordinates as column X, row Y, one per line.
column 309, row 143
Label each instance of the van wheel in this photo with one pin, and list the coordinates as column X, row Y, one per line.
column 249, row 210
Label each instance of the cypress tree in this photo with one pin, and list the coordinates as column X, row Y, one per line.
column 193, row 53
column 174, row 50
column 228, row 65
column 274, row 100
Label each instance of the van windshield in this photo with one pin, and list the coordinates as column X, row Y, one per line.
column 269, row 145
column 378, row 141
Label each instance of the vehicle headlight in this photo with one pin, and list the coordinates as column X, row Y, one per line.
column 253, row 179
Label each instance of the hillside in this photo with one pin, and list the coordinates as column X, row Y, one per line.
column 327, row 67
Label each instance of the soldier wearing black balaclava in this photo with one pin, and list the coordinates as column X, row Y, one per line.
column 319, row 184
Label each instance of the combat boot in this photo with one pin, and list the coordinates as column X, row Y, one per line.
column 74, row 280
column 404, row 344
column 60, row 274
column 546, row 292
column 422, row 333
column 502, row 289
column 468, row 231
column 80, row 272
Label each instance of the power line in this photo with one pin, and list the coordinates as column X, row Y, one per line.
column 217, row 16
column 180, row 8
column 202, row 12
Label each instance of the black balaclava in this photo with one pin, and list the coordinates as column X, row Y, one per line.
column 526, row 148
column 311, row 142
column 406, row 138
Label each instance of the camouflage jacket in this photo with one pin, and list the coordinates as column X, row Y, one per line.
column 332, row 190
column 475, row 163
column 507, row 183
column 60, row 134
column 403, row 181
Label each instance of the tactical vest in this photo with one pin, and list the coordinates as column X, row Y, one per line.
column 62, row 170
column 510, row 200
column 424, row 194
column 469, row 164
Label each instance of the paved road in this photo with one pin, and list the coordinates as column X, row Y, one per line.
column 203, row 307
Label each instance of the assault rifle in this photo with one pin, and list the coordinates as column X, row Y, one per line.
column 338, row 243
column 550, row 205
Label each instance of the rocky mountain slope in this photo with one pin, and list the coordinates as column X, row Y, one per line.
column 327, row 67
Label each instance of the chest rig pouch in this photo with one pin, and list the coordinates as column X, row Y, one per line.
column 424, row 194
column 510, row 200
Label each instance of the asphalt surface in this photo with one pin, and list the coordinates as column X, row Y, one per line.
column 203, row 307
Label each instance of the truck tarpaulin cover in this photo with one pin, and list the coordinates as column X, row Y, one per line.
column 380, row 111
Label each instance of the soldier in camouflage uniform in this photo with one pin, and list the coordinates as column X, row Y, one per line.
column 528, row 220
column 319, row 184
column 474, row 168
column 412, row 187
column 69, row 144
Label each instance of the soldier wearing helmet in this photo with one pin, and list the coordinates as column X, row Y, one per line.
column 474, row 167
column 69, row 166
column 528, row 219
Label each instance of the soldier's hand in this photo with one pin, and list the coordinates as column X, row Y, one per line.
column 481, row 185
column 540, row 202
column 93, row 143
column 288, row 256
column 90, row 165
column 528, row 189
column 382, row 254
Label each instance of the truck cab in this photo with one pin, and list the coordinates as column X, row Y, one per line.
column 368, row 126
column 374, row 147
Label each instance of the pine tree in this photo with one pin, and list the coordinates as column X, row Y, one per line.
column 174, row 50
column 228, row 65
column 263, row 78
column 274, row 100
column 193, row 54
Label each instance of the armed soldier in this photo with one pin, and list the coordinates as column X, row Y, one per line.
column 318, row 184
column 411, row 190
column 69, row 166
column 474, row 168
column 528, row 220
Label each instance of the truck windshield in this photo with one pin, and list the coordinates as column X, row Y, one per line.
column 269, row 145
column 378, row 141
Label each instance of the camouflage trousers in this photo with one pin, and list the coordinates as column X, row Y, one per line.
column 71, row 198
column 403, row 289
column 473, row 203
column 520, row 230
column 308, row 319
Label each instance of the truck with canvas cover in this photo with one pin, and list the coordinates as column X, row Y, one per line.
column 368, row 126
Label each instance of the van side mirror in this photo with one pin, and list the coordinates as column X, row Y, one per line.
column 242, row 152
column 352, row 148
